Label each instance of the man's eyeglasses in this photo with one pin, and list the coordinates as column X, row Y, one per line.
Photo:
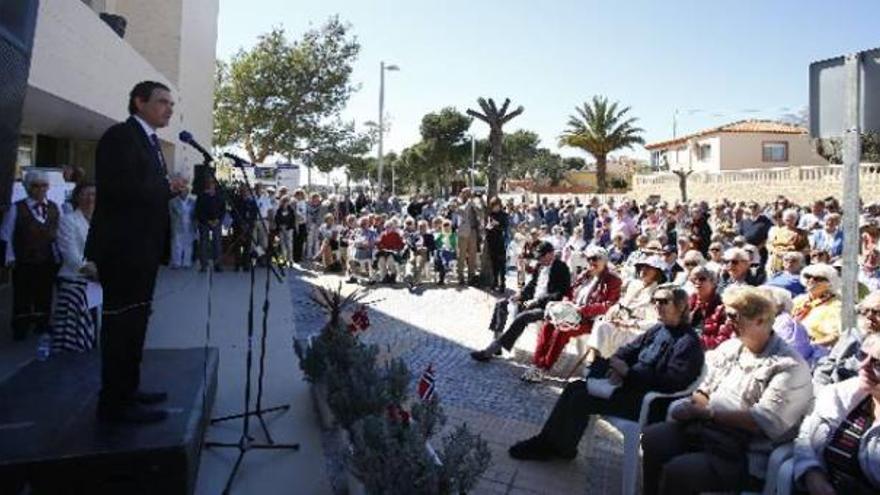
column 873, row 362
column 594, row 259
column 691, row 264
column 714, row 250
column 40, row 185
column 698, row 279
column 660, row 301
column 732, row 262
column 817, row 278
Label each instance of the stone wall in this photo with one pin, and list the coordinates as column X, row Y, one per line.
column 800, row 184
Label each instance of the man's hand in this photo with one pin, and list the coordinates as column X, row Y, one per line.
column 817, row 483
column 699, row 399
column 689, row 411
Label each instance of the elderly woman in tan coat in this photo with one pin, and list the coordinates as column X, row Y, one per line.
column 754, row 397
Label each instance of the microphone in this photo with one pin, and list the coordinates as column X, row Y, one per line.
column 187, row 138
column 238, row 160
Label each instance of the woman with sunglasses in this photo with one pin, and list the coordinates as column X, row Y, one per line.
column 754, row 396
column 594, row 291
column 838, row 449
column 632, row 315
column 818, row 310
column 840, row 363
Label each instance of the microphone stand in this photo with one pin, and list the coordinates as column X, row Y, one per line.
column 245, row 442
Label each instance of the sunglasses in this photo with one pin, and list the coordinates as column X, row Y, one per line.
column 594, row 259
column 732, row 262
column 714, row 250
column 873, row 362
column 817, row 278
column 660, row 301
column 691, row 265
column 699, row 279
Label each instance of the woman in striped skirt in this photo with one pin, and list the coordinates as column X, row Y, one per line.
column 74, row 326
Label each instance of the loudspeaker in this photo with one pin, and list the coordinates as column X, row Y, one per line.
column 18, row 19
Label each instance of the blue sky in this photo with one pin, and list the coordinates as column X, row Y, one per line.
column 720, row 57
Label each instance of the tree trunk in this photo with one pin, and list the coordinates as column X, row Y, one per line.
column 683, row 185
column 601, row 171
column 495, row 138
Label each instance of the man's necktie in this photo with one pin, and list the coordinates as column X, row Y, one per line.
column 163, row 170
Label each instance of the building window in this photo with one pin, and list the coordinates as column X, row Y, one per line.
column 775, row 151
column 704, row 152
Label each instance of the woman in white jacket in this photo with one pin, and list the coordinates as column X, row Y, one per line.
column 76, row 290
column 838, row 449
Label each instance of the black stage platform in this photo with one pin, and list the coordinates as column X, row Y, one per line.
column 50, row 439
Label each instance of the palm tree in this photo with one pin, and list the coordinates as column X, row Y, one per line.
column 599, row 129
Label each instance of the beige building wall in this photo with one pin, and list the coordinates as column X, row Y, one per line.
column 82, row 72
column 745, row 150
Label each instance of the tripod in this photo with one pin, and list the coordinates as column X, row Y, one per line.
column 245, row 442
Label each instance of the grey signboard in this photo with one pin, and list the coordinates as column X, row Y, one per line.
column 827, row 93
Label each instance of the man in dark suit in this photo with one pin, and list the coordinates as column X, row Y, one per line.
column 550, row 282
column 127, row 240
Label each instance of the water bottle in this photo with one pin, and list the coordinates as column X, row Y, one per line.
column 44, row 347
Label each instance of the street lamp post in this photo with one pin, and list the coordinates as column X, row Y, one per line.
column 382, row 69
column 473, row 158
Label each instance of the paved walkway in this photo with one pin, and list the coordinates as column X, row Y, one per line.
column 441, row 325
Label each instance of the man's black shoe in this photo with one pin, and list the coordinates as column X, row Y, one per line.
column 130, row 413
column 481, row 356
column 533, row 449
column 148, row 398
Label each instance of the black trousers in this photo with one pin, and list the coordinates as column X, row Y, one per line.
column 128, row 294
column 498, row 261
column 571, row 414
column 299, row 240
column 517, row 326
column 32, row 296
column 675, row 462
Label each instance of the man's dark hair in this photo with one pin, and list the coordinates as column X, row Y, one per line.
column 143, row 90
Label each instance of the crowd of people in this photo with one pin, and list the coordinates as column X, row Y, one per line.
column 745, row 295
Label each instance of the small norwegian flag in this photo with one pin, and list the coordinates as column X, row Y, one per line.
column 426, row 384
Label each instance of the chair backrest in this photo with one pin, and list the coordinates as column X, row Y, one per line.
column 646, row 402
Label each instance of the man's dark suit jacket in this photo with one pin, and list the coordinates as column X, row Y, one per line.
column 131, row 220
column 557, row 285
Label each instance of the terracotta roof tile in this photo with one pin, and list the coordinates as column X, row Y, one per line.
column 757, row 126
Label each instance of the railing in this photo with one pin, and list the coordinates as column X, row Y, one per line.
column 831, row 174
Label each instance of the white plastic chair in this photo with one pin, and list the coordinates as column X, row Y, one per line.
column 776, row 477
column 632, row 434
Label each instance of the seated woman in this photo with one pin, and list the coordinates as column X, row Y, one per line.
column 446, row 242
column 573, row 252
column 840, row 363
column 707, row 311
column 666, row 358
column 388, row 252
column 421, row 252
column 632, row 315
column 361, row 246
column 526, row 261
column 74, row 323
column 594, row 291
column 328, row 252
column 838, row 448
column 755, row 395
column 790, row 330
column 818, row 310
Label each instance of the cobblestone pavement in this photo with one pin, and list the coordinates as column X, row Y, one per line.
column 441, row 325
